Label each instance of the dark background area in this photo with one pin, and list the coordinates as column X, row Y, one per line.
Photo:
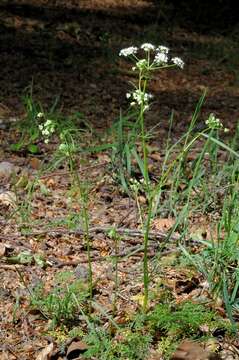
column 202, row 15
column 68, row 50
column 219, row 15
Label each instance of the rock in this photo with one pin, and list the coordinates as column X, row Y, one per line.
column 7, row 169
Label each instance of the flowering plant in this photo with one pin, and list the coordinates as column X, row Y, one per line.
column 154, row 58
column 214, row 123
column 47, row 128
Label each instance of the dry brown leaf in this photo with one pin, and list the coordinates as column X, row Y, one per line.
column 191, row 350
column 154, row 355
column 75, row 349
column 163, row 224
column 46, row 352
column 142, row 199
column 156, row 156
column 35, row 163
column 8, row 198
column 2, row 250
column 51, row 184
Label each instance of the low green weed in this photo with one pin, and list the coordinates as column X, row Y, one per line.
column 28, row 127
column 162, row 329
column 173, row 323
column 38, row 125
column 59, row 304
column 127, row 344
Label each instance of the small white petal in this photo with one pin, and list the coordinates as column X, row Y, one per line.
column 147, row 47
column 128, row 51
column 162, row 49
column 161, row 59
column 179, row 62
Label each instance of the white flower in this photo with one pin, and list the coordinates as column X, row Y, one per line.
column 160, row 58
column 133, row 103
column 147, row 97
column 40, row 115
column 147, row 47
column 134, row 68
column 40, row 127
column 46, row 141
column 162, row 49
column 213, row 122
column 128, row 51
column 45, row 132
column 179, row 62
column 48, row 123
column 128, row 95
column 140, row 97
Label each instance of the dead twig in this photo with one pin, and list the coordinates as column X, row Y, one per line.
column 153, row 235
column 14, row 267
column 61, row 173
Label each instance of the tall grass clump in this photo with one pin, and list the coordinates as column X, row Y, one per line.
column 218, row 260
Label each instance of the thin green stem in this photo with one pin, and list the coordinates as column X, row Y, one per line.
column 145, row 260
column 86, row 225
column 147, row 222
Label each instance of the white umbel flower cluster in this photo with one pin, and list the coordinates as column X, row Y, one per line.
column 154, row 58
column 161, row 58
column 147, row 47
column 214, row 123
column 128, row 51
column 179, row 62
column 139, row 97
column 162, row 49
column 47, row 129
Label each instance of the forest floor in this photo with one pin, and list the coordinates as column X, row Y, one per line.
column 70, row 59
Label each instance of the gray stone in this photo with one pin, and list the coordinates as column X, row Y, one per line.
column 7, row 169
